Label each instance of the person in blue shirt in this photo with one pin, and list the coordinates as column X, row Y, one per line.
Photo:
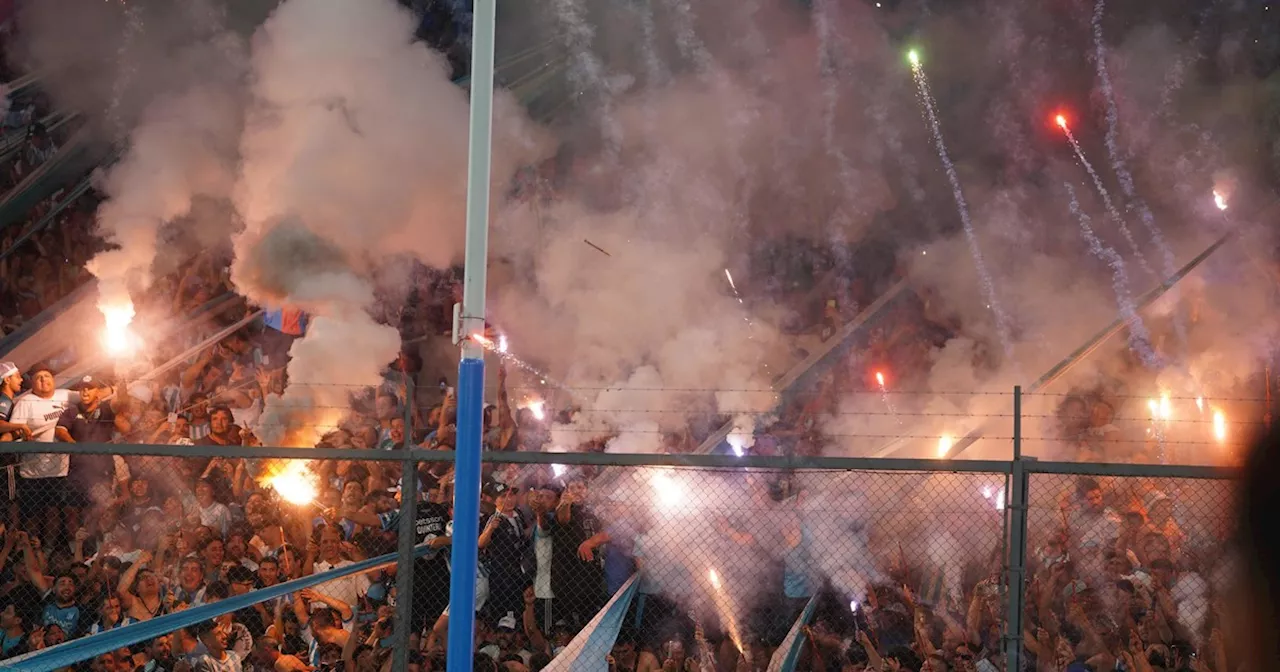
column 60, row 606
column 13, row 636
column 10, row 387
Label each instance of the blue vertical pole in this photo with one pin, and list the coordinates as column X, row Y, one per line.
column 466, row 492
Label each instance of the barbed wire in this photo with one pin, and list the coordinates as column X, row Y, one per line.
column 776, row 392
column 873, row 413
column 956, row 437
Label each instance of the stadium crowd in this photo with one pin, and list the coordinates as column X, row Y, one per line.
column 91, row 543
column 1120, row 580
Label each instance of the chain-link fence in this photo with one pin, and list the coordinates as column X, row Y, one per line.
column 703, row 562
column 1125, row 567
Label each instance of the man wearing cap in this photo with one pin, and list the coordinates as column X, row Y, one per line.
column 91, row 421
column 42, row 478
column 10, row 387
column 504, row 540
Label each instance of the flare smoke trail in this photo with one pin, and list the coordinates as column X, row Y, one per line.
column 126, row 71
column 587, row 73
column 1139, row 337
column 691, row 47
column 829, row 70
column 1106, row 200
column 971, row 236
column 655, row 71
column 1169, row 266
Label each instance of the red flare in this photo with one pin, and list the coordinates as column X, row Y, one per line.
column 1061, row 121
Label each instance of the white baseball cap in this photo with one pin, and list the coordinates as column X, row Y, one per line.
column 7, row 369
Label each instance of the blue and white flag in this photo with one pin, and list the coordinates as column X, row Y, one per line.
column 589, row 650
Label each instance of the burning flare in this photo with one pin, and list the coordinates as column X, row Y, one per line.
column 944, row 445
column 1061, row 121
column 538, row 408
column 725, row 609
column 1219, row 200
column 670, row 493
column 880, row 379
column 1219, row 426
column 117, row 337
column 295, row 483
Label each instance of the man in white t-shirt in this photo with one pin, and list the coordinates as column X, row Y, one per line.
column 348, row 589
column 42, row 477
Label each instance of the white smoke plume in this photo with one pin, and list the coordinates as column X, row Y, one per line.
column 353, row 152
column 183, row 148
column 178, row 153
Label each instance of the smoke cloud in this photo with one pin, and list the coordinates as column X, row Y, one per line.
column 352, row 153
column 341, row 143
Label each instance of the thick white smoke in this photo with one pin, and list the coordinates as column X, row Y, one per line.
column 353, row 153
column 182, row 149
column 179, row 152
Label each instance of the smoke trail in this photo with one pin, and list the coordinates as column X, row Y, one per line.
column 587, row 73
column 829, row 71
column 1139, row 338
column 971, row 236
column 655, row 72
column 893, row 139
column 126, row 71
column 1176, row 76
column 1169, row 266
column 691, row 47
column 1109, row 204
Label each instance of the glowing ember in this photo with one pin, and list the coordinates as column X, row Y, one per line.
column 295, row 484
column 914, row 57
column 502, row 343
column 1166, row 407
column 1061, row 121
column 1219, row 425
column 729, row 275
column 538, row 408
column 944, row 445
column 482, row 340
column 879, row 379
column 117, row 338
column 1219, row 200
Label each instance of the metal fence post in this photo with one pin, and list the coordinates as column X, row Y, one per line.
column 406, row 536
column 1017, row 545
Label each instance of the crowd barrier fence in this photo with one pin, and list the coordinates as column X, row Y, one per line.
column 750, row 554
